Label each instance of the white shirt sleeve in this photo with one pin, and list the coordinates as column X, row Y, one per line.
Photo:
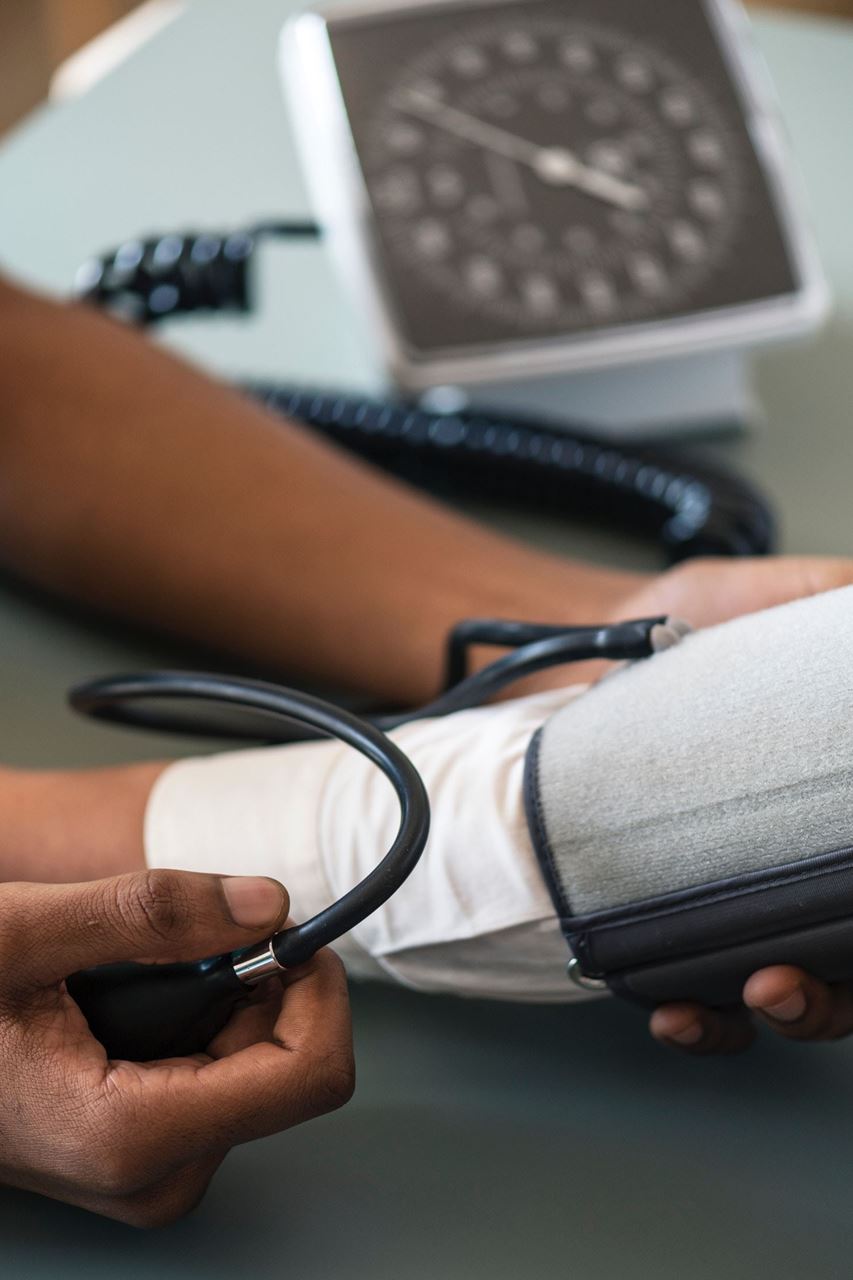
column 475, row 916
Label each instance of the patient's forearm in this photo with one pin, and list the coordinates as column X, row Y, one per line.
column 475, row 918
column 133, row 482
column 318, row 818
column 68, row 826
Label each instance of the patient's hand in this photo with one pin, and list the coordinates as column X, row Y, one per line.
column 706, row 592
column 791, row 1002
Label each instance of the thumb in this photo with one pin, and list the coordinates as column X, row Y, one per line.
column 50, row 931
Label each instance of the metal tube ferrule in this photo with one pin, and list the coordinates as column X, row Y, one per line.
column 258, row 964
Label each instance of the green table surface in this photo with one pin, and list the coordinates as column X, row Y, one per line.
column 485, row 1140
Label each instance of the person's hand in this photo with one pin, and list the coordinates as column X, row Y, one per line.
column 701, row 592
column 706, row 592
column 788, row 1001
column 140, row 1142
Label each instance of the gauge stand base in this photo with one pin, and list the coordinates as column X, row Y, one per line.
column 663, row 398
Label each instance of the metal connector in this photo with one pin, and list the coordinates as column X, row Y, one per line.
column 258, row 964
column 580, row 979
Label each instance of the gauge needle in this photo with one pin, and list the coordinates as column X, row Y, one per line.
column 557, row 166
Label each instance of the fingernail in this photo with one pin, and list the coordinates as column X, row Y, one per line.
column 253, row 901
column 691, row 1034
column 788, row 1010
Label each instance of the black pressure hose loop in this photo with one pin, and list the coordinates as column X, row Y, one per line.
column 534, row 647
column 145, row 1012
column 115, row 698
column 543, row 648
column 493, row 632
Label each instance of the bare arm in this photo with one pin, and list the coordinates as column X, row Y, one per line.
column 63, row 826
column 132, row 482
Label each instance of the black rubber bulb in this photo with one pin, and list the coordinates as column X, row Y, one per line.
column 143, row 1012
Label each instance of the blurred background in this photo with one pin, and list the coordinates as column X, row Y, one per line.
column 37, row 36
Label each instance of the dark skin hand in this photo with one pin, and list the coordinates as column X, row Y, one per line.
column 139, row 1142
column 790, row 1002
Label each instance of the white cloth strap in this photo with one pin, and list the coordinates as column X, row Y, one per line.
column 474, row 918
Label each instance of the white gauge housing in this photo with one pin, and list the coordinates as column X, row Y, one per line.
column 342, row 204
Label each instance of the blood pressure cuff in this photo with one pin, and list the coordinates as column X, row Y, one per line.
column 693, row 813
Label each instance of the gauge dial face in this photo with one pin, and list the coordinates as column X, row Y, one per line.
column 533, row 172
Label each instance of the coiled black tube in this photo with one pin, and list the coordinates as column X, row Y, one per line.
column 693, row 509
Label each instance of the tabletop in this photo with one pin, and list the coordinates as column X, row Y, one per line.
column 484, row 1139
